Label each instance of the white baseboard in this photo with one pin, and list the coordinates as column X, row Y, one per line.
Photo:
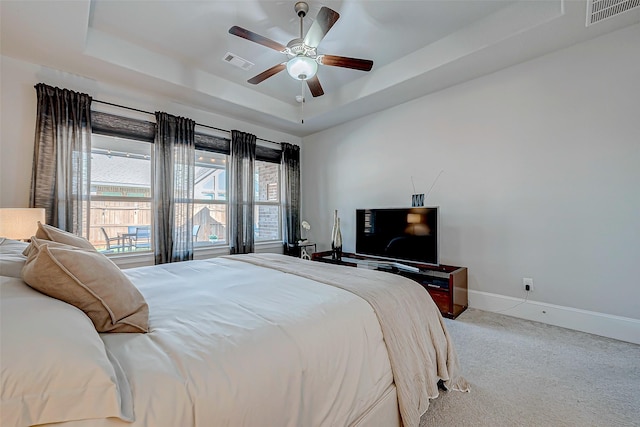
column 607, row 325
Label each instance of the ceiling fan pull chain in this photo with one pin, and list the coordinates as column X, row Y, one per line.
column 302, row 103
column 301, row 28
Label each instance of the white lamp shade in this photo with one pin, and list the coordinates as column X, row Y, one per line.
column 302, row 67
column 20, row 223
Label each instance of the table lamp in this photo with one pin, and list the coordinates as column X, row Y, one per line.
column 20, row 223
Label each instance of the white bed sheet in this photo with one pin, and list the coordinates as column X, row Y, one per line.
column 233, row 344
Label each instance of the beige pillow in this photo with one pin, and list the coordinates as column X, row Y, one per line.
column 54, row 234
column 34, row 246
column 91, row 282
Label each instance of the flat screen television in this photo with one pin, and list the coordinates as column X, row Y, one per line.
column 399, row 234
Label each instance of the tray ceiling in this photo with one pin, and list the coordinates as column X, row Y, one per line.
column 176, row 49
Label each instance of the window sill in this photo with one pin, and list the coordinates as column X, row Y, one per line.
column 132, row 260
column 143, row 259
column 266, row 246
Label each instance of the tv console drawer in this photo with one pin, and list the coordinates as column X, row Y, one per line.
column 441, row 299
column 428, row 280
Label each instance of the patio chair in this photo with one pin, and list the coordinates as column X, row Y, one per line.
column 194, row 232
column 143, row 238
column 111, row 247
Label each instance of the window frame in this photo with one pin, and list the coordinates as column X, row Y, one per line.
column 278, row 203
column 225, row 202
column 128, row 199
column 115, row 125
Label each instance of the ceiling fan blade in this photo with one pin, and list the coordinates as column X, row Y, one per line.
column 343, row 61
column 256, row 38
column 321, row 26
column 267, row 73
column 314, row 86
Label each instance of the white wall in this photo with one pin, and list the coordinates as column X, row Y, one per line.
column 541, row 175
column 18, row 113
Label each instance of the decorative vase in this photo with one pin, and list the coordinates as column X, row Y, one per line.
column 334, row 230
column 338, row 242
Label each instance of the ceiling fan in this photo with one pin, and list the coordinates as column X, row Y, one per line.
column 302, row 52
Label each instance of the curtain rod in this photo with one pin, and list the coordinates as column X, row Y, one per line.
column 153, row 114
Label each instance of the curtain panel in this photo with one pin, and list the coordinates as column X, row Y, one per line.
column 290, row 193
column 174, row 174
column 61, row 170
column 241, row 192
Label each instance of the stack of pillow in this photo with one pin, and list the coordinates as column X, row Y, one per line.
column 55, row 366
column 67, row 267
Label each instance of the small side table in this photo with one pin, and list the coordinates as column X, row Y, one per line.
column 301, row 249
column 126, row 239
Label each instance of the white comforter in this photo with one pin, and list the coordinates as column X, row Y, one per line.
column 419, row 347
column 248, row 346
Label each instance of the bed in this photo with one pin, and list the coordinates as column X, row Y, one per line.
column 244, row 340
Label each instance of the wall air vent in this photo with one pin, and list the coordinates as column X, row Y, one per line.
column 599, row 10
column 234, row 59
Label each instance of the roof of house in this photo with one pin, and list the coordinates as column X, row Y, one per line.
column 120, row 171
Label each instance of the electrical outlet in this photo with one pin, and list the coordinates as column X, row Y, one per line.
column 527, row 282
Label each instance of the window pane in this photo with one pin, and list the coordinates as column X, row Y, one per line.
column 267, row 223
column 210, row 223
column 120, row 167
column 210, row 176
column 267, row 178
column 210, row 219
column 126, row 225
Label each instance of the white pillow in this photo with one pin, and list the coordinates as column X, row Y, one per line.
column 11, row 258
column 54, row 365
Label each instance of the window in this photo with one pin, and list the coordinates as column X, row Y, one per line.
column 120, row 214
column 267, row 201
column 210, row 199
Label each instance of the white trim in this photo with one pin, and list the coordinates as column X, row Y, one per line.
column 210, row 251
column 143, row 259
column 274, row 247
column 607, row 325
column 131, row 260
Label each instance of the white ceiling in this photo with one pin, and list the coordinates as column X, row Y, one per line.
column 175, row 48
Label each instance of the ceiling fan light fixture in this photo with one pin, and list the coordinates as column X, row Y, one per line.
column 302, row 67
column 303, row 61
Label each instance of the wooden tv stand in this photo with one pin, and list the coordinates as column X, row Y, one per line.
column 446, row 284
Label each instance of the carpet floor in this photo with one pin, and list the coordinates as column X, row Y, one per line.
column 525, row 373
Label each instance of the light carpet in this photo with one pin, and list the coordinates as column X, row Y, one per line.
column 525, row 373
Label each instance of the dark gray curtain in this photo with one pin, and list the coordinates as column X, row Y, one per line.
column 174, row 171
column 61, row 171
column 290, row 193
column 241, row 192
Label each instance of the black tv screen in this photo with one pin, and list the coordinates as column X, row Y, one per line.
column 399, row 234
